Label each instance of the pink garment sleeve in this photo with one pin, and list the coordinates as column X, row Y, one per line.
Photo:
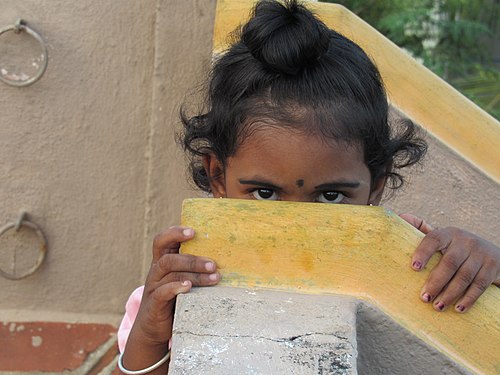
column 131, row 309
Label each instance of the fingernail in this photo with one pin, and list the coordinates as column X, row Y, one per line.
column 426, row 297
column 439, row 305
column 185, row 283
column 459, row 308
column 213, row 277
column 417, row 265
column 210, row 267
column 188, row 232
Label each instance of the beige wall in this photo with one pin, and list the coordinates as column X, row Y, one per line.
column 88, row 151
column 447, row 191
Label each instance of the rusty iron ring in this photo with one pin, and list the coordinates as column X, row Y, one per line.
column 22, row 222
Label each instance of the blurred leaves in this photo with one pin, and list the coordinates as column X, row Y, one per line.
column 483, row 88
column 457, row 39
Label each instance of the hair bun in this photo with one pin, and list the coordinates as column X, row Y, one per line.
column 285, row 37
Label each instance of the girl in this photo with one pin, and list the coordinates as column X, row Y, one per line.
column 295, row 111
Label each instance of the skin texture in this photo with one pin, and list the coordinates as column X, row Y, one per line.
column 269, row 165
column 265, row 166
column 170, row 274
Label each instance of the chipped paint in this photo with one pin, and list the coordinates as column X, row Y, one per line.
column 36, row 341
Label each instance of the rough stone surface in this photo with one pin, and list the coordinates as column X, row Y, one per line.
column 237, row 331
column 223, row 330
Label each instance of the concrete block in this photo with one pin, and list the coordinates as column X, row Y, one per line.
column 223, row 330
column 227, row 330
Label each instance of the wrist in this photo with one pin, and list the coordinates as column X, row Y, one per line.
column 143, row 350
column 160, row 366
column 152, row 335
column 139, row 338
column 144, row 357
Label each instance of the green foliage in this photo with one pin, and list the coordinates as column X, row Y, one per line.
column 483, row 87
column 453, row 38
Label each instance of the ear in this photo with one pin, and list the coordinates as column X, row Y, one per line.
column 377, row 191
column 215, row 172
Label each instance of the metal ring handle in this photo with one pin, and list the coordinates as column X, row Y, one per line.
column 19, row 26
column 43, row 246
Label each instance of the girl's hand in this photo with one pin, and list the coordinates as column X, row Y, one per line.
column 170, row 274
column 469, row 265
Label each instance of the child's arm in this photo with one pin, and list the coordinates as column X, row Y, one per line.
column 169, row 275
column 469, row 265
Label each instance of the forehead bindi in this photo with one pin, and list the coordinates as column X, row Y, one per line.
column 290, row 158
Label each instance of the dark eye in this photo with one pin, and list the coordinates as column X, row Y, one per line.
column 265, row 194
column 330, row 197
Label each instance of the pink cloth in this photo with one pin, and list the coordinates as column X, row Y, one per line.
column 131, row 310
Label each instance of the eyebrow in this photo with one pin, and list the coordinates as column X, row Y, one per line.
column 263, row 184
column 337, row 185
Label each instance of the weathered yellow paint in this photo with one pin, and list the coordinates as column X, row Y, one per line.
column 359, row 251
column 413, row 89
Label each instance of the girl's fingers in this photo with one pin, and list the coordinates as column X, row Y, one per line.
column 440, row 276
column 460, row 283
column 468, row 266
column 169, row 240
column 170, row 264
column 417, row 222
column 167, row 292
column 197, row 279
column 481, row 282
column 434, row 241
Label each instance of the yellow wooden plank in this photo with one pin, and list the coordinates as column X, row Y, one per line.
column 359, row 251
column 412, row 88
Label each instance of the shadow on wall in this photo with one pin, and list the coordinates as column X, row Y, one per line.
column 385, row 347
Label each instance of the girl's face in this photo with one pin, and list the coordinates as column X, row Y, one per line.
column 282, row 164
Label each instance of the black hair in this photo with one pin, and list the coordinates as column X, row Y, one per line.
column 287, row 68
